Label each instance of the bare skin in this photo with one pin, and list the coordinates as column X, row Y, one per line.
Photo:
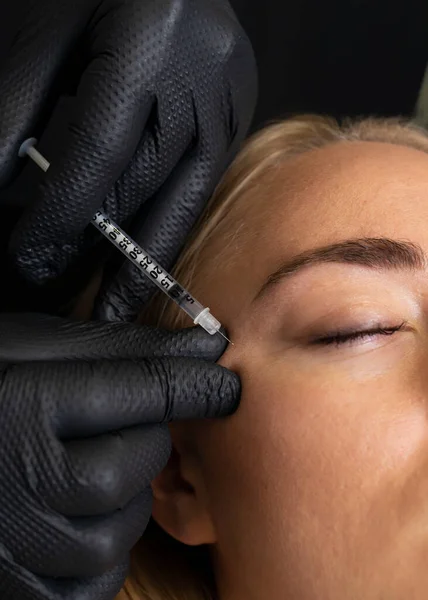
column 317, row 488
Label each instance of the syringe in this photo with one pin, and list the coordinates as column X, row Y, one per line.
column 140, row 258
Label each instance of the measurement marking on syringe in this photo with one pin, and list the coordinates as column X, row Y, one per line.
column 135, row 253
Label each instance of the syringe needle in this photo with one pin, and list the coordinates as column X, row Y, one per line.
column 225, row 337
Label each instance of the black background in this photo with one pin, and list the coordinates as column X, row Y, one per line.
column 344, row 58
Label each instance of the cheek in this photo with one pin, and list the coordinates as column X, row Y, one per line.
column 308, row 465
column 313, row 423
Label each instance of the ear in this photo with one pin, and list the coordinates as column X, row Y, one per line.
column 179, row 505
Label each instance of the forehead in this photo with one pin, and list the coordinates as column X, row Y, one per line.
column 346, row 190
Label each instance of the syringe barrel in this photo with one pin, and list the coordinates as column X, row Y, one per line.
column 145, row 263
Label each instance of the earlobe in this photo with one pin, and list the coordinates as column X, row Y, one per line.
column 178, row 505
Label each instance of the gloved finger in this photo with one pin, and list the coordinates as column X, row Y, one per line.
column 18, row 582
column 87, row 398
column 37, row 337
column 97, row 148
column 86, row 546
column 103, row 474
column 173, row 213
column 102, row 396
column 28, row 77
column 163, row 143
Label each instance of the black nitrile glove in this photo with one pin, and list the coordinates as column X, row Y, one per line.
column 166, row 93
column 83, row 413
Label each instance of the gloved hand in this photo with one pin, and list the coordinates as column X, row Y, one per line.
column 167, row 91
column 83, row 413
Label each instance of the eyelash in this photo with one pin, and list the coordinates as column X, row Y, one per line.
column 350, row 338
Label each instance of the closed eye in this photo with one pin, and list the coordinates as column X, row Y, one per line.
column 339, row 338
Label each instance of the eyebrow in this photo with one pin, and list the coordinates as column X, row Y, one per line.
column 375, row 253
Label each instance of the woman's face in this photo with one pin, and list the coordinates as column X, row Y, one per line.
column 317, row 488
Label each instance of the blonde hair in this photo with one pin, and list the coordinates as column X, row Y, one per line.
column 163, row 569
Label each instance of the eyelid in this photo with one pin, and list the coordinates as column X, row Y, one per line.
column 343, row 337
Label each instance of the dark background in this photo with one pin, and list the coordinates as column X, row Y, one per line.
column 343, row 58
